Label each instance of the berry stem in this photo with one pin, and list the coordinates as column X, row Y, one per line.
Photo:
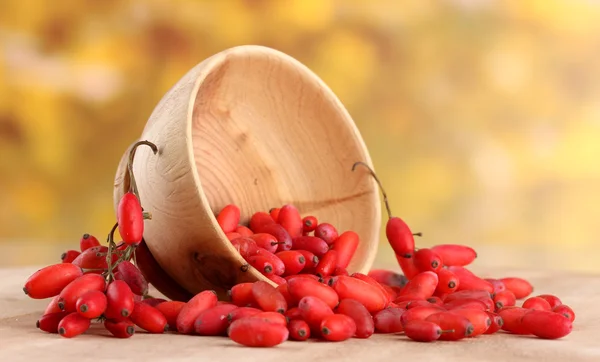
column 132, row 183
column 385, row 199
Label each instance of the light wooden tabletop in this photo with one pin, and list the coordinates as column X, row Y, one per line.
column 21, row 341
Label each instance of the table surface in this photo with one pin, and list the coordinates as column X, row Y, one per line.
column 21, row 341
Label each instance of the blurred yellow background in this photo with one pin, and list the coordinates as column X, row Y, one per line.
column 482, row 116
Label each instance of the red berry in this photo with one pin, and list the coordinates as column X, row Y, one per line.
column 242, row 312
column 427, row 260
column 170, row 310
column 310, row 259
column 553, row 300
column 91, row 304
column 421, row 286
column 466, row 303
column 520, row 287
column 241, row 295
column 496, row 323
column 213, row 321
column 229, row 218
column 69, row 255
column 365, row 325
column 94, row 258
column 337, row 327
column 284, row 239
column 388, row 320
column 400, row 237
column 130, row 219
column 546, row 324
column 455, row 255
column 256, row 332
column 193, row 308
column 232, row 236
column 273, row 317
column 260, row 219
column 49, row 322
column 53, row 306
column 276, row 279
column 497, row 284
column 278, row 265
column 268, row 298
column 289, row 218
column 313, row 244
column 480, row 320
column 265, row 241
column 504, row 299
column 419, row 313
column 261, row 263
column 537, row 303
column 447, row 282
column 274, row 213
column 293, row 260
column 120, row 300
column 293, row 314
column 470, row 281
column 408, row 266
column 71, row 293
column 422, row 331
column 340, row 271
column 299, row 330
column 148, row 318
column 131, row 275
column 309, row 223
column 373, row 282
column 327, row 264
column 245, row 246
column 458, row 327
column 345, row 245
column 565, row 310
column 368, row 295
column 121, row 329
column 313, row 311
column 49, row 281
column 88, row 241
column 512, row 320
column 73, row 325
column 326, row 232
column 304, row 287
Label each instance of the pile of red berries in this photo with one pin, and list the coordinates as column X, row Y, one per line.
column 436, row 297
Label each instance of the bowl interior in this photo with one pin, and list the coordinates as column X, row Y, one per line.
column 266, row 132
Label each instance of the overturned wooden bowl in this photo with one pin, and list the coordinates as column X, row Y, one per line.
column 253, row 127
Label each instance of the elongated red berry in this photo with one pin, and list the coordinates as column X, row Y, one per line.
column 304, row 287
column 245, row 246
column 310, row 260
column 365, row 325
column 213, row 321
column 229, row 218
column 148, row 318
column 422, row 331
column 94, row 258
column 69, row 255
column 233, row 236
column 91, row 304
column 289, row 217
column 504, row 299
column 241, row 295
column 242, row 312
column 337, row 328
column 261, row 263
column 427, row 260
column 49, row 322
column 274, row 212
column 519, row 286
column 170, row 309
column 293, row 314
column 389, row 320
column 309, row 223
column 470, row 281
column 400, row 237
column 273, row 317
column 547, row 325
column 313, row 311
column 276, row 279
column 327, row 264
column 73, row 325
column 480, row 320
column 419, row 313
column 345, row 246
column 88, row 241
column 268, row 298
column 565, row 310
column 284, row 239
column 368, row 295
column 299, row 330
column 455, row 255
column 496, row 323
column 130, row 219
column 121, row 329
column 244, row 231
column 447, row 282
column 190, row 312
column 49, row 281
column 365, row 278
column 449, row 321
column 265, row 241
column 120, row 300
column 257, row 332
column 421, row 286
column 537, row 303
column 408, row 266
column 512, row 318
column 326, row 232
column 313, row 244
column 260, row 219
column 553, row 300
column 293, row 260
column 131, row 275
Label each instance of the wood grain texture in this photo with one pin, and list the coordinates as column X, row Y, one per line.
column 21, row 341
column 253, row 127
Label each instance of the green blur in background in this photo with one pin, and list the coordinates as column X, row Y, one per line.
column 482, row 117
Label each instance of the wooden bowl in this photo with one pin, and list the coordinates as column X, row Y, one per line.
column 254, row 127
